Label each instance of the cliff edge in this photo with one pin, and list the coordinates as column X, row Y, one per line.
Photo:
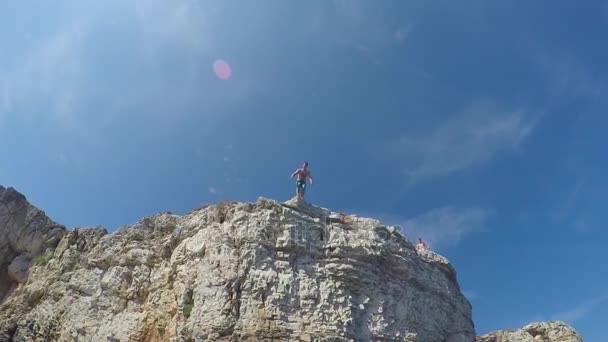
column 25, row 233
column 554, row 331
column 263, row 271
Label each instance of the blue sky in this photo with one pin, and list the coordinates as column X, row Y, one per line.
column 477, row 125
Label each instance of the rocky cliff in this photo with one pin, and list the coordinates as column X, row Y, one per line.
column 25, row 232
column 535, row 332
column 228, row 272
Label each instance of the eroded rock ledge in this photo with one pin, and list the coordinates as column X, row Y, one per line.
column 263, row 271
column 554, row 331
column 239, row 271
column 25, row 233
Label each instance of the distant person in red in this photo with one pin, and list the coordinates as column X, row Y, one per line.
column 421, row 246
column 302, row 174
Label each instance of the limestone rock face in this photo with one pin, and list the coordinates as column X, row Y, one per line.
column 263, row 271
column 553, row 331
column 25, row 232
column 17, row 270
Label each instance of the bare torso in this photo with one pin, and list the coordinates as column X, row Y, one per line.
column 302, row 175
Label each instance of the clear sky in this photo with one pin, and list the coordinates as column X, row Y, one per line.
column 479, row 126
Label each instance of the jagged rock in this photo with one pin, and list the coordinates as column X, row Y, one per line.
column 17, row 270
column 554, row 331
column 25, row 232
column 240, row 272
column 263, row 271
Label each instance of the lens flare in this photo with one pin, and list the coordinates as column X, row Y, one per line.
column 222, row 69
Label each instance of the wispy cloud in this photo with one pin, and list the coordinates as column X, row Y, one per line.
column 581, row 310
column 176, row 23
column 48, row 74
column 568, row 207
column 573, row 196
column 470, row 294
column 566, row 77
column 402, row 33
column 474, row 137
column 362, row 26
column 445, row 226
column 212, row 190
column 65, row 74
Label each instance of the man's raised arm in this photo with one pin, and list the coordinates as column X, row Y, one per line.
column 294, row 174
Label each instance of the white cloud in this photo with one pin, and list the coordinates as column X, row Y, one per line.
column 176, row 22
column 59, row 74
column 212, row 190
column 470, row 294
column 566, row 77
column 571, row 200
column 362, row 25
column 573, row 207
column 581, row 310
column 569, row 316
column 445, row 226
column 402, row 33
column 475, row 137
column 48, row 74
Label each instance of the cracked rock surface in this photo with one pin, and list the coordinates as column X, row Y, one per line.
column 25, row 233
column 553, row 331
column 263, row 271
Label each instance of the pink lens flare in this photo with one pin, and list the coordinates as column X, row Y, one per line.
column 222, row 69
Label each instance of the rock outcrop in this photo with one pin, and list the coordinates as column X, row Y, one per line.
column 263, row 271
column 553, row 331
column 25, row 233
column 240, row 271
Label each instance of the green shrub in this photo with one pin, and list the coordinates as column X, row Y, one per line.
column 187, row 309
column 44, row 259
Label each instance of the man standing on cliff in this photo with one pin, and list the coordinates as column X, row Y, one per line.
column 421, row 246
column 302, row 174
